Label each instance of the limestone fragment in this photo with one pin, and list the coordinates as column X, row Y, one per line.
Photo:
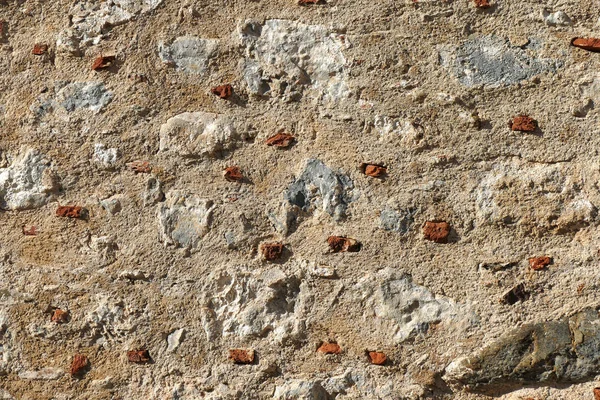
column 174, row 339
column 396, row 220
column 300, row 390
column 107, row 157
column 91, row 96
column 189, row 54
column 27, row 183
column 556, row 18
column 44, row 374
column 184, row 219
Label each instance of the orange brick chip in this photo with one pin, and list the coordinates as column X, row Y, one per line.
column 241, row 356
column 280, row 140
column 523, row 123
column 233, row 174
column 223, row 91
column 377, row 358
column 79, row 365
column 341, row 244
column 329, row 348
column 272, row 251
column 102, row 62
column 39, row 49
column 70, row 211
column 539, row 263
column 140, row 166
column 436, row 231
column 138, row 356
column 60, row 316
column 374, row 170
column 589, row 44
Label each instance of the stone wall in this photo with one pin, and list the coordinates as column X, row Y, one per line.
column 342, row 199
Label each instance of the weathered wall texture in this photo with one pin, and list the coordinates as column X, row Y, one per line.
column 165, row 262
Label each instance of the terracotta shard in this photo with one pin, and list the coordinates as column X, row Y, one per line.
column 272, row 251
column 32, row 231
column 79, row 365
column 539, row 263
column 589, row 44
column 342, row 244
column 140, row 166
column 39, row 49
column 329, row 348
column 233, row 174
column 374, row 170
column 518, row 293
column 377, row 358
column 223, row 91
column 241, row 356
column 138, row 356
column 482, row 4
column 60, row 316
column 597, row 393
column 102, row 62
column 281, row 140
column 523, row 123
column 70, row 211
column 436, row 231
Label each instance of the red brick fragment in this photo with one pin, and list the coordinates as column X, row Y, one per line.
column 377, row 358
column 272, row 251
column 69, row 211
column 539, row 263
column 597, row 393
column 523, row 123
column 79, row 365
column 39, row 49
column 233, row 174
column 60, row 316
column 307, row 2
column 436, row 231
column 32, row 231
column 280, row 140
column 342, row 244
column 482, row 4
column 138, row 356
column 329, row 348
column 589, row 44
column 223, row 91
column 140, row 166
column 241, row 356
column 102, row 62
column 373, row 170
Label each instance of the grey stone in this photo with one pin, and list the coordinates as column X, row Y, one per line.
column 153, row 193
column 560, row 351
column 112, row 204
column 319, row 187
column 297, row 389
column 45, row 374
column 491, row 61
column 92, row 96
column 189, row 54
column 399, row 221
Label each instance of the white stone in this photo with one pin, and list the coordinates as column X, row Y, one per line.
column 27, row 183
column 45, row 374
column 112, row 204
column 104, row 249
column 556, row 18
column 109, row 319
column 184, row 219
column 91, row 96
column 105, row 157
column 297, row 389
column 197, row 134
column 188, row 54
column 174, row 339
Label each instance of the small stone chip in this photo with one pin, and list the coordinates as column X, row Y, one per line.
column 140, row 166
column 241, row 356
column 523, row 123
column 233, row 174
column 79, row 365
column 272, row 251
column 482, row 4
column 138, row 356
column 342, row 244
column 373, row 170
column 377, row 357
column 39, row 49
column 518, row 293
column 60, row 316
column 70, row 211
column 223, row 91
column 436, row 231
column 306, row 2
column 589, row 44
column 597, row 393
column 102, row 62
column 329, row 348
column 539, row 263
column 280, row 140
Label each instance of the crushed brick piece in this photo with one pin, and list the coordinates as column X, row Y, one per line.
column 518, row 293
column 102, row 62
column 39, row 49
column 523, row 123
column 436, row 231
column 272, row 251
column 373, row 170
column 138, row 356
column 539, row 263
column 281, row 140
column 341, row 244
column 330, row 348
column 377, row 357
column 306, row 2
column 32, row 231
column 589, row 44
column 482, row 4
column 233, row 174
column 79, row 365
column 223, row 91
column 597, row 393
column 140, row 166
column 70, row 211
column 60, row 316
column 580, row 288
column 241, row 356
